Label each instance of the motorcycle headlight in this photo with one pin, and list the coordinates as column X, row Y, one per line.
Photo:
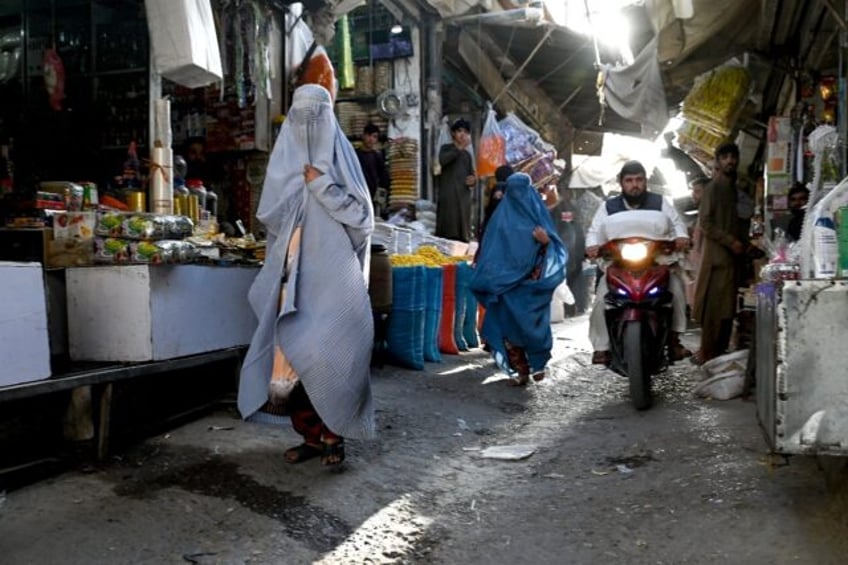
column 634, row 252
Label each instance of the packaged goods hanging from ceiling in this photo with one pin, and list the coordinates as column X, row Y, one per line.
column 715, row 102
column 184, row 41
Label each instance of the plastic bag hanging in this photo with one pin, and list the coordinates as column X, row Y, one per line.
column 444, row 138
column 492, row 151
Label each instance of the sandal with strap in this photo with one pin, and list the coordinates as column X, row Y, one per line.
column 520, row 380
column 333, row 454
column 303, row 452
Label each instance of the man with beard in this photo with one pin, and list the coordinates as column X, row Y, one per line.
column 798, row 198
column 724, row 247
column 636, row 213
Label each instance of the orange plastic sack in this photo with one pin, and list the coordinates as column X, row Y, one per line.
column 490, row 155
column 447, row 343
column 319, row 70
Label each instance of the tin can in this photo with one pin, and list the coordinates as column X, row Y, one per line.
column 183, row 204
column 136, row 201
column 193, row 208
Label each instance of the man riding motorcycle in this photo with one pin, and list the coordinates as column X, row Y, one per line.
column 636, row 213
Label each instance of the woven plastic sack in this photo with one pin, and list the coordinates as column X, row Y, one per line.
column 319, row 70
column 432, row 313
column 447, row 343
column 405, row 336
column 463, row 276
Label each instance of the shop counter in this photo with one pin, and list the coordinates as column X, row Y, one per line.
column 802, row 366
column 24, row 336
column 138, row 313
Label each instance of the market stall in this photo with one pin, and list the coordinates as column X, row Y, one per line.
column 131, row 274
column 802, row 295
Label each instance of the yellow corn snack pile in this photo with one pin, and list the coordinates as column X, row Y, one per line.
column 426, row 256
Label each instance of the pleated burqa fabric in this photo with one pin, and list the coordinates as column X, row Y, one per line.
column 325, row 326
column 518, row 307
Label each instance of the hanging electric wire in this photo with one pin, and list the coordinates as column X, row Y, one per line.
column 599, row 82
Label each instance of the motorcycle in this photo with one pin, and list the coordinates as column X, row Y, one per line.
column 638, row 311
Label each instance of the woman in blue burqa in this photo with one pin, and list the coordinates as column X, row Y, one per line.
column 521, row 262
column 309, row 358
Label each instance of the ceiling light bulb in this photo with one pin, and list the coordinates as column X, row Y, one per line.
column 396, row 29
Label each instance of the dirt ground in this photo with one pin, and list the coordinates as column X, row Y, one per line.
column 689, row 481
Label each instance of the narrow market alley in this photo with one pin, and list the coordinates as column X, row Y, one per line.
column 689, row 481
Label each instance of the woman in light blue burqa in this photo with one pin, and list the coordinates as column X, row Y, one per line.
column 521, row 262
column 310, row 356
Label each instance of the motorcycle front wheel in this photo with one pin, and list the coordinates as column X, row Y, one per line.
column 637, row 374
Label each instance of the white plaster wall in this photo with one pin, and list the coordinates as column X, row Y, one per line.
column 407, row 80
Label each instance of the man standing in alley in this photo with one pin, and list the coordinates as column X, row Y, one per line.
column 453, row 214
column 723, row 248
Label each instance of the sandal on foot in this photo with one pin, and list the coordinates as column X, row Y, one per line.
column 303, row 452
column 333, row 454
column 520, row 380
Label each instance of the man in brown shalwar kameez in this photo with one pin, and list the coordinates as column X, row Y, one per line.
column 453, row 212
column 723, row 248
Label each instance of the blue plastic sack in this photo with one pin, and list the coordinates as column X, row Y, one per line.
column 463, row 276
column 432, row 313
column 405, row 336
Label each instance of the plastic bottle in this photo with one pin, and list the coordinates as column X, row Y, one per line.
column 825, row 248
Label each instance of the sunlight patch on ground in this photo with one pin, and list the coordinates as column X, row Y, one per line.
column 385, row 537
column 458, row 369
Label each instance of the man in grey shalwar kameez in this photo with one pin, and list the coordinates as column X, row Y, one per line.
column 310, row 355
column 453, row 211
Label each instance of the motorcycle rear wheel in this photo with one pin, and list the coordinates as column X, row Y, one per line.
column 637, row 374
